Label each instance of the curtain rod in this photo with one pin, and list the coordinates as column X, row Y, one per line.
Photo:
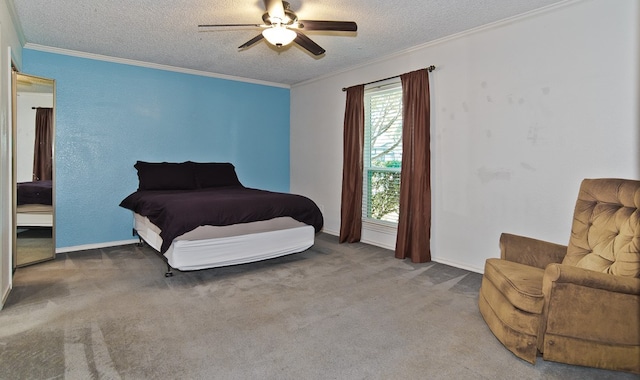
column 430, row 69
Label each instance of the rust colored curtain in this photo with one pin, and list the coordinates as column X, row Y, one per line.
column 351, row 203
column 43, row 148
column 414, row 224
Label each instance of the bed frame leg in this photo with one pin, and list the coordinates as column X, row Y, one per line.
column 140, row 241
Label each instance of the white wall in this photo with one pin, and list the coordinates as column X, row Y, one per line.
column 8, row 39
column 522, row 111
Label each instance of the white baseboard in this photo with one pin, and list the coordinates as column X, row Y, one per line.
column 457, row 265
column 378, row 244
column 331, row 232
column 434, row 259
column 95, row 246
column 375, row 243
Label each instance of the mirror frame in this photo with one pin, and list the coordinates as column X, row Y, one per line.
column 14, row 159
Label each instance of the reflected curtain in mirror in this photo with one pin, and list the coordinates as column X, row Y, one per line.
column 42, row 152
column 414, row 221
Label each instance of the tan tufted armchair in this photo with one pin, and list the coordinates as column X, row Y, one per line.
column 576, row 304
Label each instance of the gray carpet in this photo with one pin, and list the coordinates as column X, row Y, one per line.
column 332, row 312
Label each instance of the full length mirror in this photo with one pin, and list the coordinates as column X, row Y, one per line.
column 33, row 169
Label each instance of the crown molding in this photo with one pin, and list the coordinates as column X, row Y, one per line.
column 131, row 62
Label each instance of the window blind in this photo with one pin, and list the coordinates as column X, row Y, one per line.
column 382, row 153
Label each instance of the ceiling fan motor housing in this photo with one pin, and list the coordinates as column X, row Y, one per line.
column 290, row 18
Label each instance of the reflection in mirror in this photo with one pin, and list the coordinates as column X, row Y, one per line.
column 33, row 168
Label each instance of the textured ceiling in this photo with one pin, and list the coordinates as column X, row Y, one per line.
column 165, row 31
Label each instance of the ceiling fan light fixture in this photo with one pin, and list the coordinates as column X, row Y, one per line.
column 279, row 35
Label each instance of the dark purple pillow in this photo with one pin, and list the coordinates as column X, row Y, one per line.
column 165, row 176
column 215, row 174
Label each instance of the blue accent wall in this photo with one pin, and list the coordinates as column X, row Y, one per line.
column 110, row 115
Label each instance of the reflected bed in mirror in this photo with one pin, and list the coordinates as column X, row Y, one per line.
column 34, row 204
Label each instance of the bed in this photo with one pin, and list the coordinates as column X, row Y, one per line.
column 34, row 204
column 199, row 216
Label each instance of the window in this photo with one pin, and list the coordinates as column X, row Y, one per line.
column 382, row 154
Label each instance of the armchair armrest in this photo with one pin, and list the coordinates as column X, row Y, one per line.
column 589, row 306
column 528, row 251
column 559, row 273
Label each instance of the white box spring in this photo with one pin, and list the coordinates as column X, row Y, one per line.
column 216, row 246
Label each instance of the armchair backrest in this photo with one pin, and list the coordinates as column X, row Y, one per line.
column 605, row 235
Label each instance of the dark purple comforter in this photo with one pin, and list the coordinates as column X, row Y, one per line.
column 176, row 212
column 36, row 192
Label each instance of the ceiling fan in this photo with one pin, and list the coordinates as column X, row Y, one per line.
column 282, row 27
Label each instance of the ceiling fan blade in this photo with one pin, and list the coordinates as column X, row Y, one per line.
column 341, row 26
column 275, row 8
column 251, row 41
column 227, row 25
column 308, row 44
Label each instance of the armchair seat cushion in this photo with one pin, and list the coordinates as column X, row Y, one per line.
column 520, row 284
